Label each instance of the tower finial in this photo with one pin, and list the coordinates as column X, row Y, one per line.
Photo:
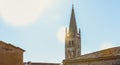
column 72, row 5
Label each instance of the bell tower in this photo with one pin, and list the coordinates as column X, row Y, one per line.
column 72, row 39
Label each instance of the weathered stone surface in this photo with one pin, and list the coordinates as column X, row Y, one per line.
column 109, row 56
column 115, row 51
column 10, row 55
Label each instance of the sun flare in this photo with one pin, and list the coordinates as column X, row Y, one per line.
column 61, row 34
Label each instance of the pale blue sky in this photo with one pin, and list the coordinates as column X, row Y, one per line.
column 99, row 21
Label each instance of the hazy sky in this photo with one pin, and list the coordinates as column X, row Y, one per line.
column 38, row 26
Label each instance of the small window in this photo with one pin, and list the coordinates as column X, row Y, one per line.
column 69, row 43
column 72, row 43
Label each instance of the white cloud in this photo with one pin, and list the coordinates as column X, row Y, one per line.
column 22, row 12
column 106, row 45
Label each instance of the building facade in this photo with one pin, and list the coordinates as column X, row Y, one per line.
column 10, row 55
column 73, row 55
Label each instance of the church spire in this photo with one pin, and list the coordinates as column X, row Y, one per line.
column 72, row 39
column 72, row 26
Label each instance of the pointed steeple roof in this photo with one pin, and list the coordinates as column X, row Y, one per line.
column 73, row 26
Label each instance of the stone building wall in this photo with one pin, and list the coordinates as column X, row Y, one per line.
column 102, row 53
column 109, row 62
column 115, row 60
column 101, row 62
column 10, row 55
column 109, row 56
